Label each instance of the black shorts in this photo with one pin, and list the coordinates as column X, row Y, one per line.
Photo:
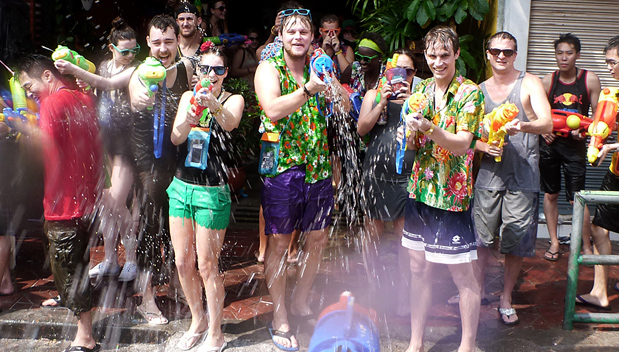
column 569, row 154
column 606, row 214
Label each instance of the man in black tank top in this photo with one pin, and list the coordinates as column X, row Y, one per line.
column 569, row 89
column 189, row 20
column 156, row 162
column 506, row 191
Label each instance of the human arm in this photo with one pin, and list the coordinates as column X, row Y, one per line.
column 118, row 81
column 595, row 87
column 491, row 149
column 606, row 148
column 138, row 94
column 185, row 118
column 370, row 112
column 276, row 105
column 457, row 143
column 537, row 107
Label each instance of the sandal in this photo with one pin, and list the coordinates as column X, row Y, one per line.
column 283, row 334
column 508, row 312
column 53, row 303
column 552, row 255
column 152, row 318
column 189, row 340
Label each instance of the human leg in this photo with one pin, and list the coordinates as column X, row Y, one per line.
column 374, row 228
column 513, row 264
column 275, row 274
column 184, row 244
column 6, row 284
column 602, row 245
column 308, row 268
column 420, row 296
column 209, row 243
column 293, row 247
column 84, row 337
column 551, row 212
column 465, row 278
column 403, row 307
column 263, row 237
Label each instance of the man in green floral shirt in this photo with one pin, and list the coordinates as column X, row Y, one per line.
column 299, row 194
column 438, row 224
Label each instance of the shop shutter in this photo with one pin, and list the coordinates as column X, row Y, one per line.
column 594, row 22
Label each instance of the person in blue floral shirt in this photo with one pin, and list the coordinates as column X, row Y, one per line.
column 438, row 224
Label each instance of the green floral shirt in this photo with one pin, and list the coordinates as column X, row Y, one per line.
column 441, row 179
column 304, row 140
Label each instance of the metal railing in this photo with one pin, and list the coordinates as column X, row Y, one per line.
column 576, row 259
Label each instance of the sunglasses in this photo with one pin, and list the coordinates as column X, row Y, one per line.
column 330, row 32
column 506, row 52
column 611, row 63
column 302, row 12
column 125, row 52
column 252, row 38
column 410, row 72
column 206, row 69
column 364, row 58
column 221, row 8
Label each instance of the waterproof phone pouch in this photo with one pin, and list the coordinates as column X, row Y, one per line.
column 269, row 154
column 197, row 147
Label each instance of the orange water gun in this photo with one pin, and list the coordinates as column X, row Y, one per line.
column 383, row 80
column 415, row 103
column 563, row 122
column 204, row 83
column 495, row 121
column 603, row 122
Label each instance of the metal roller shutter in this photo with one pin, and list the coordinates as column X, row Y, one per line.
column 594, row 22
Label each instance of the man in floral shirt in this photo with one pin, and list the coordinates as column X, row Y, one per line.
column 299, row 195
column 438, row 224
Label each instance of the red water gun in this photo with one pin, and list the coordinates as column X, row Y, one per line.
column 564, row 122
column 603, row 122
column 204, row 83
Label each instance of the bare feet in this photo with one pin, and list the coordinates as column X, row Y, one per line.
column 6, row 286
column 589, row 299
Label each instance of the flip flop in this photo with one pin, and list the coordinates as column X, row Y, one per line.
column 83, row 349
column 507, row 312
column 286, row 335
column 58, row 305
column 189, row 340
column 583, row 302
column 552, row 256
column 215, row 349
column 152, row 318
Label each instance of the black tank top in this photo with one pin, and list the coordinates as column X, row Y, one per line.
column 570, row 97
column 217, row 162
column 142, row 130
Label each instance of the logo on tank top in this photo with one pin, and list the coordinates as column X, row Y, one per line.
column 456, row 240
column 567, row 99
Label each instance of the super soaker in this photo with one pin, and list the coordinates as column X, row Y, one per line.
column 415, row 103
column 151, row 72
column 564, row 122
column 383, row 80
column 64, row 53
column 204, row 83
column 603, row 122
column 227, row 39
column 322, row 65
column 495, row 122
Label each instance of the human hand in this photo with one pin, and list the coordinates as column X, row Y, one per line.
column 493, row 149
column 335, row 43
column 577, row 135
column 192, row 118
column 65, row 67
column 142, row 100
column 315, row 84
column 549, row 137
column 416, row 122
column 513, row 127
column 606, row 148
column 385, row 93
column 83, row 85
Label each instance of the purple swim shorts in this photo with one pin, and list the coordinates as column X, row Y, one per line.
column 289, row 203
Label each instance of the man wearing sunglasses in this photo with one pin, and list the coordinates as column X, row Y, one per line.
column 330, row 42
column 506, row 192
column 299, row 194
column 569, row 89
column 188, row 20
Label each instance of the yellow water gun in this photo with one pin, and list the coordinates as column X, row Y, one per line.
column 64, row 53
column 495, row 121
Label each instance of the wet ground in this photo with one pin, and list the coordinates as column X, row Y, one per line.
column 538, row 300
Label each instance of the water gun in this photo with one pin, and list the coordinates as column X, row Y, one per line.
column 603, row 122
column 64, row 53
column 322, row 65
column 227, row 39
column 204, row 83
column 415, row 103
column 390, row 64
column 9, row 116
column 563, row 122
column 151, row 72
column 18, row 94
column 495, row 121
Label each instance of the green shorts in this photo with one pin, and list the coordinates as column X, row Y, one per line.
column 209, row 206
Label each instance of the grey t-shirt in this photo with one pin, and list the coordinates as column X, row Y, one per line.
column 519, row 168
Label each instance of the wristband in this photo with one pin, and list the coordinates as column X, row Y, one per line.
column 338, row 52
column 274, row 31
column 306, row 92
column 216, row 112
column 429, row 131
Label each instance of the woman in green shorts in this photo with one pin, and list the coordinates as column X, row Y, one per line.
column 200, row 198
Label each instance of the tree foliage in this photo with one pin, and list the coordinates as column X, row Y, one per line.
column 400, row 21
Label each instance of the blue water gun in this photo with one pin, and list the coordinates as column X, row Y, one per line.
column 322, row 65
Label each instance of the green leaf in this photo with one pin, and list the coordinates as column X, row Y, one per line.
column 422, row 15
column 411, row 11
column 447, row 9
column 468, row 58
column 476, row 15
column 460, row 66
column 430, row 9
column 460, row 15
column 482, row 6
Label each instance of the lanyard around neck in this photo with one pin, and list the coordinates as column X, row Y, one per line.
column 159, row 124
